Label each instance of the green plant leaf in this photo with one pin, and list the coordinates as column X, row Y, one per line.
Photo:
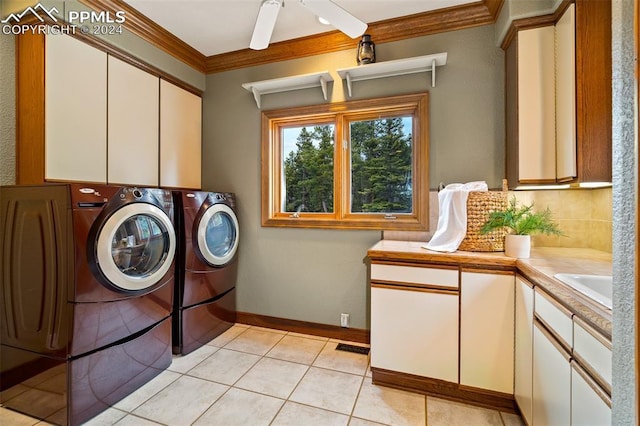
column 521, row 220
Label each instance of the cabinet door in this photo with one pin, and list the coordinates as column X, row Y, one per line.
column 590, row 405
column 75, row 111
column 524, row 349
column 593, row 351
column 566, row 168
column 415, row 331
column 486, row 331
column 536, row 106
column 180, row 137
column 551, row 380
column 133, row 125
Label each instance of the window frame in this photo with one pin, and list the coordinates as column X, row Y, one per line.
column 340, row 115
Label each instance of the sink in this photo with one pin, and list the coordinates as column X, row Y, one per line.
column 596, row 287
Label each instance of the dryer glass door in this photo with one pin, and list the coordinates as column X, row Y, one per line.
column 136, row 246
column 218, row 234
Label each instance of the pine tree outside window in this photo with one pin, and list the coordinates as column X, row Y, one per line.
column 359, row 164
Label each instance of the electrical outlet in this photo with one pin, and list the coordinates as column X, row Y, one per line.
column 344, row 320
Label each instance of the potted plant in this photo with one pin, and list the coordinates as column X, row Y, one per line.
column 521, row 222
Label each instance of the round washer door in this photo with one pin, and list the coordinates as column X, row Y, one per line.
column 136, row 246
column 218, row 235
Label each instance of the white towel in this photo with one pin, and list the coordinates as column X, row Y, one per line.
column 452, row 216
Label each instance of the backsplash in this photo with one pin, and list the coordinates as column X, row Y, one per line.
column 583, row 215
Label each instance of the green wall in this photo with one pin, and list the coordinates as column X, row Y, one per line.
column 314, row 275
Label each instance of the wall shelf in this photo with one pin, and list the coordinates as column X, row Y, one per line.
column 297, row 82
column 392, row 68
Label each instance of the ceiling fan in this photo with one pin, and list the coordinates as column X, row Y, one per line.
column 325, row 9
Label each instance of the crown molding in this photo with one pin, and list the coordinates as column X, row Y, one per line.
column 533, row 22
column 454, row 18
column 480, row 13
column 148, row 30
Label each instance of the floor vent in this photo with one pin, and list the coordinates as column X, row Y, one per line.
column 352, row 348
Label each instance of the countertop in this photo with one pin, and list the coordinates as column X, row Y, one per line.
column 540, row 268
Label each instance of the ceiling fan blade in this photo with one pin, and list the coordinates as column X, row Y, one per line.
column 264, row 24
column 337, row 16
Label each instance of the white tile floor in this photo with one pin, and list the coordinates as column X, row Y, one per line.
column 255, row 376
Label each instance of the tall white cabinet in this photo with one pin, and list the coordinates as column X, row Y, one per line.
column 75, row 111
column 180, row 137
column 133, row 131
column 86, row 112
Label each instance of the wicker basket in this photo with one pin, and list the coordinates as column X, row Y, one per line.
column 479, row 205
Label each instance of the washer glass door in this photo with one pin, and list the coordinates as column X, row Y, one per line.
column 136, row 246
column 218, row 234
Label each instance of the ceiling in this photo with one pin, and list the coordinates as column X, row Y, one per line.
column 214, row 27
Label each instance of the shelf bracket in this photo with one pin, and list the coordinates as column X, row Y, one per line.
column 433, row 73
column 323, row 85
column 349, row 84
column 256, row 96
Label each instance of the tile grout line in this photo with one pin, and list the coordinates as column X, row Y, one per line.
column 355, row 401
column 324, row 348
column 233, row 385
column 154, row 394
column 299, row 381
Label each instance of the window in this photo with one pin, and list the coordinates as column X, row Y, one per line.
column 359, row 164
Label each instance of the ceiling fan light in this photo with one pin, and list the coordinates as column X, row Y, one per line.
column 265, row 23
column 337, row 16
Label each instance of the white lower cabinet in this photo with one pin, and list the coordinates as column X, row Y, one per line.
column 414, row 320
column 590, row 405
column 523, row 386
column 492, row 333
column 486, row 330
column 593, row 351
column 551, row 380
column 415, row 331
column 571, row 364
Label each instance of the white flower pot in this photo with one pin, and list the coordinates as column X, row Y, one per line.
column 517, row 246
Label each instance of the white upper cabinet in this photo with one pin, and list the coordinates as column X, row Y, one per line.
column 558, row 96
column 566, row 167
column 133, row 125
column 536, row 105
column 180, row 137
column 75, row 111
